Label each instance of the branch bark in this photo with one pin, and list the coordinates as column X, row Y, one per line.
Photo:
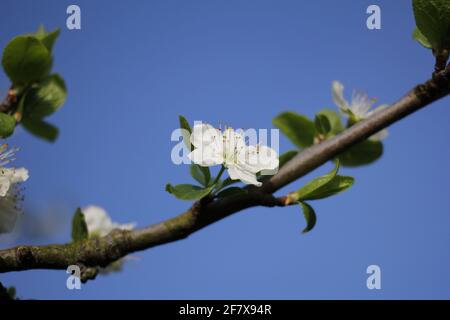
column 99, row 252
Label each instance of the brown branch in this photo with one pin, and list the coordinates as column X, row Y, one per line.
column 99, row 252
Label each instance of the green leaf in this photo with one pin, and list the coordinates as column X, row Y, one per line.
column 79, row 226
column 419, row 37
column 188, row 191
column 433, row 21
column 285, row 157
column 201, row 174
column 231, row 192
column 26, row 60
column 184, row 124
column 310, row 217
column 40, row 129
column 45, row 97
column 336, row 185
column 335, row 120
column 48, row 39
column 309, row 190
column 323, row 125
column 323, row 187
column 7, row 125
column 299, row 129
column 364, row 153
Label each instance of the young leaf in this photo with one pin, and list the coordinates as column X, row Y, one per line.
column 310, row 216
column 45, row 97
column 79, row 226
column 48, row 39
column 26, row 59
column 184, row 124
column 7, row 125
column 364, row 153
column 40, row 129
column 299, row 129
column 336, row 185
column 188, row 191
column 285, row 157
column 433, row 21
column 201, row 174
column 309, row 189
column 323, row 125
column 335, row 120
column 419, row 37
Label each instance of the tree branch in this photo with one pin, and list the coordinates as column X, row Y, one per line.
column 99, row 252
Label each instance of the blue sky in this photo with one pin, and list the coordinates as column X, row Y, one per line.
column 135, row 66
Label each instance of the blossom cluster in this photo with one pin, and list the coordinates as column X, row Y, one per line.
column 229, row 148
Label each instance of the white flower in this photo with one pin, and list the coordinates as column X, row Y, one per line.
column 99, row 223
column 228, row 148
column 10, row 191
column 10, row 177
column 359, row 108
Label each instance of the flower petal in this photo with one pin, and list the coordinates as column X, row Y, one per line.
column 361, row 104
column 5, row 184
column 247, row 177
column 269, row 161
column 97, row 220
column 206, row 156
column 19, row 175
column 268, row 158
column 338, row 96
column 257, row 158
column 206, row 135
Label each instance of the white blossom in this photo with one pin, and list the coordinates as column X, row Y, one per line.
column 359, row 108
column 10, row 191
column 99, row 223
column 228, row 148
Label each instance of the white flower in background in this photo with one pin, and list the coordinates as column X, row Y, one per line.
column 10, row 191
column 100, row 224
column 228, row 148
column 359, row 108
